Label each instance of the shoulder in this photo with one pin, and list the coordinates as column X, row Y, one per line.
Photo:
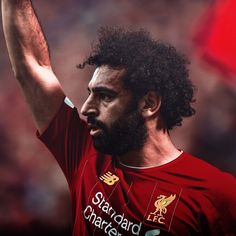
column 212, row 189
column 195, row 172
column 215, row 181
column 200, row 167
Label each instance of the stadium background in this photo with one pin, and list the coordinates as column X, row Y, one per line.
column 34, row 198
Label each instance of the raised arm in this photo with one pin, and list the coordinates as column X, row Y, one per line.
column 29, row 56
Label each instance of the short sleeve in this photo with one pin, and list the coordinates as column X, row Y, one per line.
column 226, row 199
column 223, row 198
column 67, row 137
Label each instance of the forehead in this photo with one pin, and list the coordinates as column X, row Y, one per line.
column 106, row 76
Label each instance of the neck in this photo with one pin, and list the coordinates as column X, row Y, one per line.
column 157, row 150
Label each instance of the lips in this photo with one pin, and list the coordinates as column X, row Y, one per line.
column 94, row 130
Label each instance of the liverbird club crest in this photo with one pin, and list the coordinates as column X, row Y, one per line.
column 161, row 204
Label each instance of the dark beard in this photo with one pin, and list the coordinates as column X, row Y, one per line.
column 128, row 133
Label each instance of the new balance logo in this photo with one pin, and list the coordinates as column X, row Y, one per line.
column 109, row 178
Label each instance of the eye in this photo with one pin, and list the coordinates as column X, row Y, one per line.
column 106, row 97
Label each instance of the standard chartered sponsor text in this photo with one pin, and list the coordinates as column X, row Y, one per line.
column 117, row 220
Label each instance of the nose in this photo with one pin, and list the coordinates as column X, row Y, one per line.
column 89, row 108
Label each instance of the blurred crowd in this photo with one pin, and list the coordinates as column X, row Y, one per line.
column 34, row 198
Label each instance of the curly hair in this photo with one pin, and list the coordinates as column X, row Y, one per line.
column 149, row 65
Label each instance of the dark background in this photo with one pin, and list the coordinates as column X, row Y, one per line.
column 34, row 198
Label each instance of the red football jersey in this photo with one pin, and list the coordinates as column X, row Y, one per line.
column 185, row 197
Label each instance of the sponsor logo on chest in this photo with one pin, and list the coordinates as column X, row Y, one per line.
column 160, row 208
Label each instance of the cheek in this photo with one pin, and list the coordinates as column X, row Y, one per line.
column 109, row 116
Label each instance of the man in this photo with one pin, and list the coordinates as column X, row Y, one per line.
column 125, row 175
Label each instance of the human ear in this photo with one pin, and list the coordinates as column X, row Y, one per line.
column 150, row 104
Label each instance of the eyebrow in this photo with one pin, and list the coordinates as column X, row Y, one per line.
column 102, row 89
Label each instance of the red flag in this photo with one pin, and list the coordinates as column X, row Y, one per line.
column 216, row 37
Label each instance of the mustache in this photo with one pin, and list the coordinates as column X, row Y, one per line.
column 93, row 121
